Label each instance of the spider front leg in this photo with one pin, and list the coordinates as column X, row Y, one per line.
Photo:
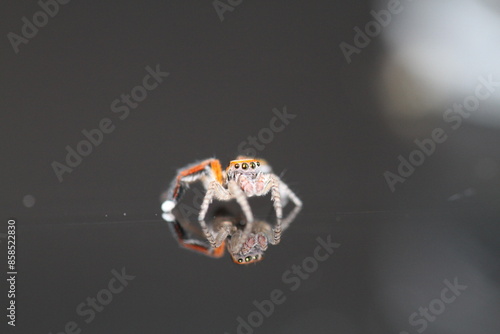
column 193, row 244
column 287, row 193
column 241, row 198
column 276, row 198
column 279, row 194
column 215, row 190
column 290, row 218
column 204, row 171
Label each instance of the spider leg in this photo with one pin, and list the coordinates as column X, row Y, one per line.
column 290, row 217
column 287, row 193
column 196, row 245
column 241, row 198
column 280, row 193
column 276, row 198
column 203, row 171
column 221, row 235
column 215, row 190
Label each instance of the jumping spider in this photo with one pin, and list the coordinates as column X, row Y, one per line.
column 247, row 239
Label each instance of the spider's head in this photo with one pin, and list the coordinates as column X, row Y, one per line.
column 247, row 166
column 246, row 172
column 252, row 250
column 247, row 259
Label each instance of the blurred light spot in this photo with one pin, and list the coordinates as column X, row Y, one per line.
column 28, row 201
column 436, row 51
column 466, row 193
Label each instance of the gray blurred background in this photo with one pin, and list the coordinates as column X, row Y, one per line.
column 358, row 115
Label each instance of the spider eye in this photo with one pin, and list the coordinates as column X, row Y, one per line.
column 244, row 166
column 252, row 164
column 240, row 260
column 248, row 258
column 237, row 166
column 255, row 257
column 258, row 163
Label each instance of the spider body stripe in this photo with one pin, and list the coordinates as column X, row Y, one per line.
column 190, row 173
column 217, row 169
column 232, row 162
column 217, row 252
